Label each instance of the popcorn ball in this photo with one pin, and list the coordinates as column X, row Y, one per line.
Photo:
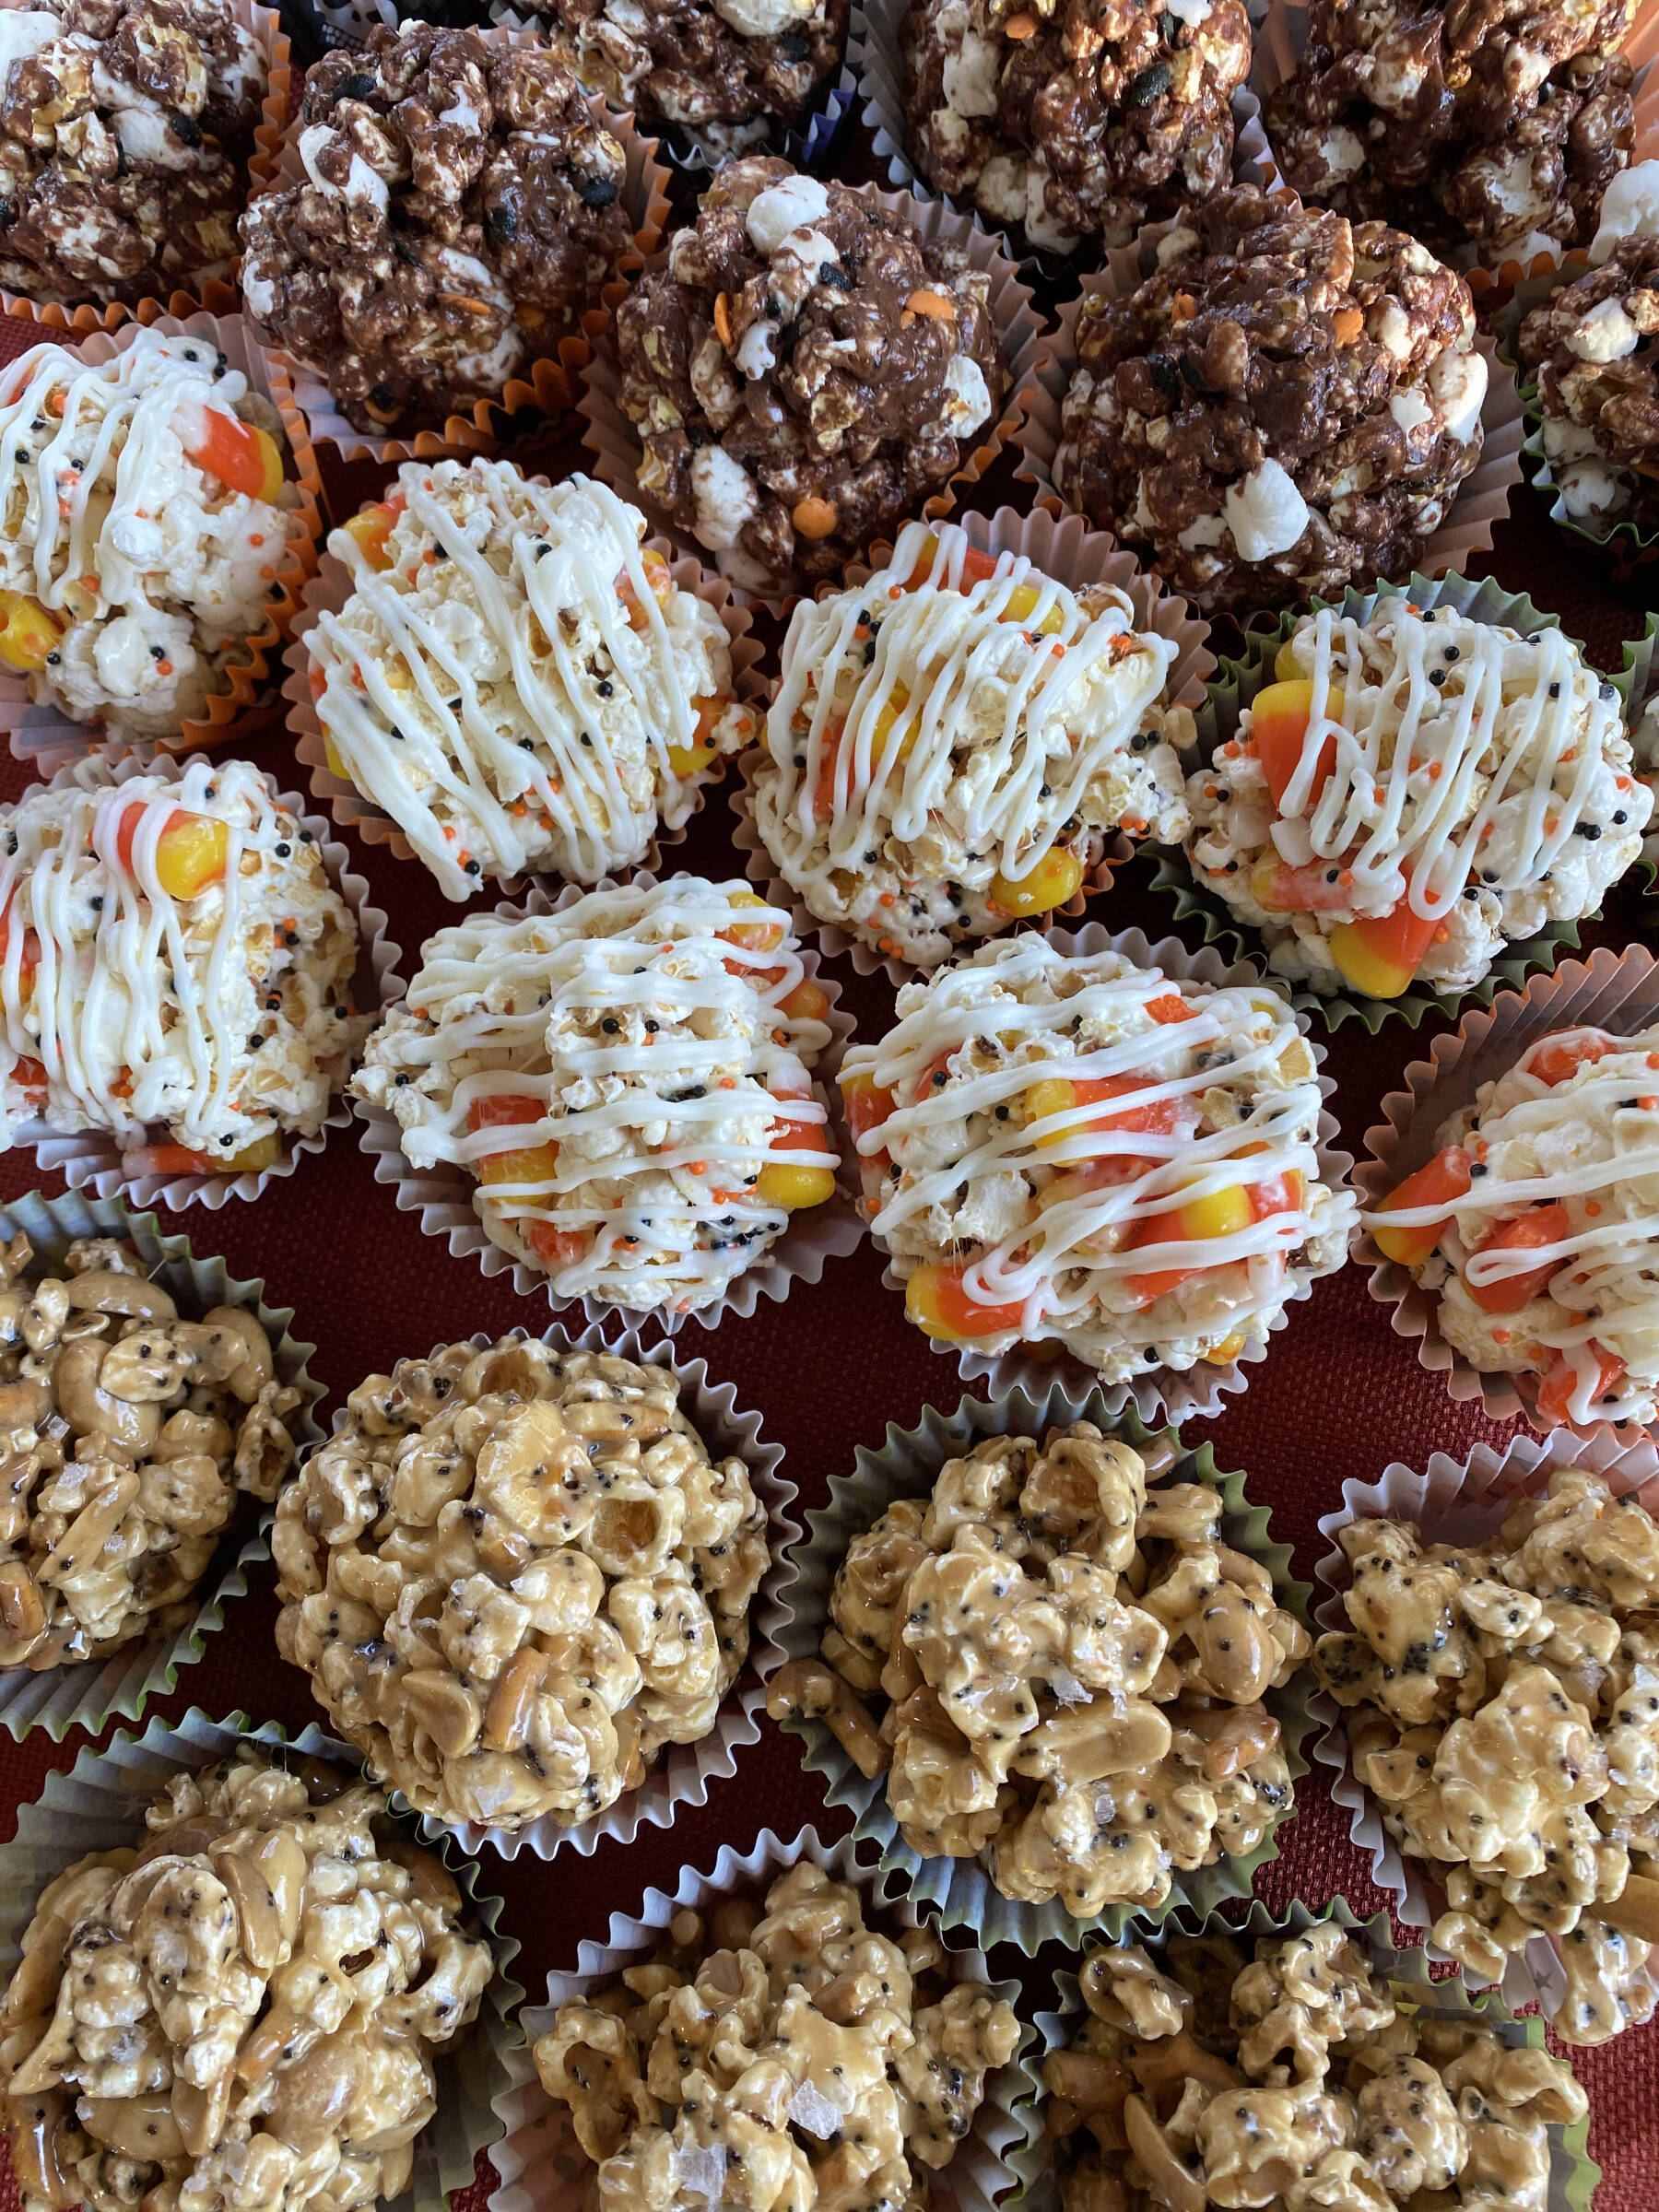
column 514, row 1576
column 1414, row 792
column 1074, row 1667
column 954, row 741
column 241, row 2012
column 1075, row 1151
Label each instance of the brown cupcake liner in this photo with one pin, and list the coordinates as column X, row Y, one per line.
column 1461, row 1504
column 1613, row 991
column 1281, row 39
column 612, row 439
column 1483, row 496
column 1073, row 554
column 41, row 735
column 331, row 587
column 1164, row 1396
column 548, row 385
column 217, row 297
column 90, row 1159
column 444, row 1194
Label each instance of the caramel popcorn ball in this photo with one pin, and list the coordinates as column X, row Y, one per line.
column 128, row 1432
column 240, row 2014
column 1504, row 1709
column 1279, row 2072
column 1073, row 1670
column 514, row 1574
column 783, row 2057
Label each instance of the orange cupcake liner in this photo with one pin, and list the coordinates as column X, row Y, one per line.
column 43, row 738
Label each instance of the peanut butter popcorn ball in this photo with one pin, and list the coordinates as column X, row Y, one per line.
column 241, row 2014
column 1277, row 2070
column 1073, row 1671
column 1503, row 1706
column 129, row 1432
column 781, row 2056
column 515, row 1575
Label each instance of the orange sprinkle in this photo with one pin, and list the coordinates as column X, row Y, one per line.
column 257, row 538
column 1500, row 1336
column 1434, row 771
column 872, row 1206
column 1592, row 1207
column 1345, row 877
column 519, row 808
column 728, row 1083
column 696, row 1167
column 163, row 667
column 1442, row 934
column 887, row 898
column 450, row 835
column 267, row 573
column 1486, row 831
column 1648, row 1105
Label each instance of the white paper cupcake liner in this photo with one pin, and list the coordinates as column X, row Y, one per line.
column 442, row 1194
column 1612, row 991
column 614, row 442
column 1454, row 1504
column 542, row 2166
column 959, row 1893
column 90, row 1159
column 1163, row 1396
column 97, row 1690
column 1068, row 551
column 1483, row 496
column 41, row 735
column 99, row 1806
column 1574, row 2173
column 331, row 587
column 684, row 1771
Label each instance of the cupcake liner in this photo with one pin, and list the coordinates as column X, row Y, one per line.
column 1458, row 1503
column 1574, row 2173
column 876, row 53
column 1614, row 991
column 331, row 587
column 1640, row 678
column 97, row 1690
column 548, row 385
column 611, row 438
column 1163, row 1396
column 322, row 24
column 1482, row 601
column 1068, row 551
column 442, row 1194
column 1483, row 496
column 1281, row 40
column 90, row 1159
column 802, row 145
column 541, row 2165
column 41, row 735
column 217, row 297
column 959, row 1892
column 683, row 1775
column 96, row 1806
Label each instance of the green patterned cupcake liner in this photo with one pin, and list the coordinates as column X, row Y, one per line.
column 960, row 1892
column 1574, row 2173
column 90, row 1694
column 99, row 1806
column 1235, row 687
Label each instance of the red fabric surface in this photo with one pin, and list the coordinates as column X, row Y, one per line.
column 1339, row 1396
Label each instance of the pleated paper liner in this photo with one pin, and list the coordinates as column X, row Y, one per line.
column 328, row 23
column 876, row 52
column 1574, row 2173
column 216, row 296
column 1641, row 675
column 1483, row 496
column 1282, row 39
column 1463, row 1504
column 683, row 1772
column 1613, row 991
column 90, row 1159
column 612, row 439
column 91, row 1694
column 959, row 1892
column 327, row 593
column 1073, row 554
column 542, row 2166
column 1163, row 1396
column 41, row 734
column 444, row 1194
column 804, row 144
column 549, row 382
column 1235, row 687
column 99, row 1806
